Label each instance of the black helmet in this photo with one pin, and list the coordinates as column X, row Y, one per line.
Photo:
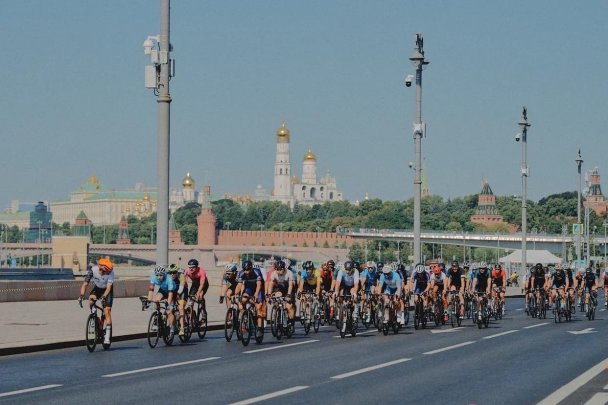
column 400, row 267
column 279, row 265
column 454, row 263
column 247, row 265
column 192, row 263
column 308, row 265
column 357, row 265
column 331, row 263
column 380, row 265
column 348, row 265
column 539, row 266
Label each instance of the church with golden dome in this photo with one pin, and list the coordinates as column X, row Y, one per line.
column 308, row 190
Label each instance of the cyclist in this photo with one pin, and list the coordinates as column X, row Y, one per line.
column 527, row 288
column 369, row 278
column 404, row 276
column 570, row 290
column 538, row 280
column 280, row 283
column 251, row 287
column 199, row 282
column 162, row 287
column 559, row 285
column 438, row 281
column 394, row 285
column 347, row 283
column 419, row 283
column 326, row 279
column 481, row 283
column 102, row 276
column 229, row 282
column 499, row 282
column 589, row 285
column 605, row 281
column 309, row 282
column 179, row 296
column 456, row 282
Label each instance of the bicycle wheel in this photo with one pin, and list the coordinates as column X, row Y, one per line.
column 306, row 321
column 453, row 315
column 437, row 313
column 366, row 315
column 259, row 331
column 417, row 314
column 278, row 323
column 201, row 321
column 91, row 332
column 154, row 329
column 245, row 328
column 100, row 334
column 486, row 318
column 316, row 313
column 273, row 320
column 379, row 315
column 167, row 335
column 342, row 321
column 190, row 324
column 291, row 325
column 228, row 325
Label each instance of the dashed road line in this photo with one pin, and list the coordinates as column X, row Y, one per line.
column 601, row 398
column 281, row 346
column 536, row 326
column 500, row 334
column 24, row 391
column 271, row 395
column 367, row 369
column 143, row 370
column 450, row 347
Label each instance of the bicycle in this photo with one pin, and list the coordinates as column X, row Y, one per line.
column 497, row 304
column 200, row 314
column 390, row 321
column 306, row 314
column 438, row 310
column 317, row 313
column 248, row 324
column 231, row 320
column 348, row 323
column 454, row 308
column 157, row 325
column 483, row 314
column 279, row 320
column 591, row 305
column 406, row 308
column 368, row 314
column 95, row 327
column 560, row 311
column 419, row 311
column 541, row 304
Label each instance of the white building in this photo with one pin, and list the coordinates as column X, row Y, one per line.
column 288, row 189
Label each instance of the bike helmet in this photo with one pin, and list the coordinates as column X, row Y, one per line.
column 231, row 267
column 348, row 266
column 308, row 265
column 331, row 263
column 539, row 266
column 380, row 265
column 106, row 265
column 357, row 265
column 497, row 266
column 247, row 265
column 454, row 263
column 159, row 271
column 370, row 265
column 192, row 263
column 279, row 265
column 589, row 270
column 420, row 268
column 387, row 270
column 173, row 269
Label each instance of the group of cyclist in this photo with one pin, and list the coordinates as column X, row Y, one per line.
column 563, row 281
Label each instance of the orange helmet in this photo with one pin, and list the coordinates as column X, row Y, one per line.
column 106, row 264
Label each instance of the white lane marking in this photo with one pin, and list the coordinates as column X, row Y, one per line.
column 519, row 309
column 42, row 387
column 447, row 330
column 601, row 398
column 575, row 384
column 271, row 395
column 606, row 387
column 281, row 346
column 449, row 347
column 500, row 334
column 366, row 369
column 583, row 331
column 535, row 326
column 361, row 333
column 143, row 370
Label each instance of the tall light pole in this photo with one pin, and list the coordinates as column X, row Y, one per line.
column 157, row 78
column 524, row 124
column 579, row 163
column 419, row 63
column 605, row 263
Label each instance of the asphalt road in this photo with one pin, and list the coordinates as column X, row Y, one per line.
column 517, row 360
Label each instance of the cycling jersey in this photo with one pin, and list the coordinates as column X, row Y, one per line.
column 100, row 280
column 371, row 278
column 180, row 285
column 229, row 279
column 348, row 281
column 569, row 275
column 250, row 281
column 497, row 277
column 164, row 286
column 438, row 280
column 539, row 278
column 392, row 281
column 559, row 280
column 421, row 281
column 280, row 282
column 588, row 280
column 456, row 278
column 309, row 281
column 482, row 281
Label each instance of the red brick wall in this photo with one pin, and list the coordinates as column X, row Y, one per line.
column 268, row 238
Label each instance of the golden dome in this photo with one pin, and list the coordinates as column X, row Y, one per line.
column 310, row 156
column 188, row 181
column 283, row 133
column 93, row 180
column 147, row 197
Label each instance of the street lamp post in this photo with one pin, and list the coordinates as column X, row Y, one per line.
column 524, row 124
column 605, row 245
column 579, row 162
column 419, row 63
column 157, row 78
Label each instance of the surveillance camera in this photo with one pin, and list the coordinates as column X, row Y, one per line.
column 517, row 137
column 408, row 80
column 410, row 165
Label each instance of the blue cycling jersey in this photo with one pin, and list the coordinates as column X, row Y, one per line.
column 391, row 283
column 165, row 285
column 370, row 277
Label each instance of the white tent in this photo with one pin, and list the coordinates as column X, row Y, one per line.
column 532, row 257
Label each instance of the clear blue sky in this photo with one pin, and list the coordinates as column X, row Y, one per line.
column 74, row 104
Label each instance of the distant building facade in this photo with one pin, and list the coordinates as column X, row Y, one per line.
column 595, row 199
column 486, row 213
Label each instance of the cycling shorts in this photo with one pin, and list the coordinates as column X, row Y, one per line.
column 196, row 284
column 98, row 292
column 251, row 292
column 309, row 288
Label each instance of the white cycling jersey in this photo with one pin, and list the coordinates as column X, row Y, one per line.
column 100, row 280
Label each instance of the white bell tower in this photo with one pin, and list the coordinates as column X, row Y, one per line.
column 282, row 168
